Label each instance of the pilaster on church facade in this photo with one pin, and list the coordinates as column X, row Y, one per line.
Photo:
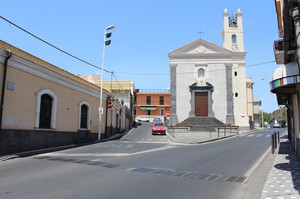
column 173, row 115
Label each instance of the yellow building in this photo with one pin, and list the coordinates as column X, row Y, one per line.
column 252, row 105
column 43, row 105
column 123, row 92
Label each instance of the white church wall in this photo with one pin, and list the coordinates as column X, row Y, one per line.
column 185, row 78
column 219, row 96
column 240, row 96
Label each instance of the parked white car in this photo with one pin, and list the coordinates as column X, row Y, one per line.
column 143, row 119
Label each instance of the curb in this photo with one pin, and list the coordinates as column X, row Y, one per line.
column 257, row 163
column 52, row 149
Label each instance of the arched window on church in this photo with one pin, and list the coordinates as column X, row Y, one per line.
column 233, row 39
column 201, row 73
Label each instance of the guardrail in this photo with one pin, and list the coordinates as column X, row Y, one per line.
column 228, row 129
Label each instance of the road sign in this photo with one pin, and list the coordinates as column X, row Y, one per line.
column 109, row 104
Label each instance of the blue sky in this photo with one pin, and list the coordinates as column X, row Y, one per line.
column 145, row 32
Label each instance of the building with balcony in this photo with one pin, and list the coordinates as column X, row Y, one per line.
column 152, row 102
column 285, row 81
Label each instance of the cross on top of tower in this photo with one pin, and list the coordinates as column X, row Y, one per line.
column 200, row 33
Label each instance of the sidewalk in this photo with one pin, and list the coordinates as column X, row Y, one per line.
column 283, row 180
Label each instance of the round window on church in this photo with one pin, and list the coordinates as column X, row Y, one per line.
column 235, row 73
column 236, row 94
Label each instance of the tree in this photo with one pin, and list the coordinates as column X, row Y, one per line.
column 267, row 117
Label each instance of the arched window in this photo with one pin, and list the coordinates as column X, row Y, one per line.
column 46, row 109
column 84, row 115
column 201, row 73
column 233, row 39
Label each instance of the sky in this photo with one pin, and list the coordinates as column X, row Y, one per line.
column 145, row 32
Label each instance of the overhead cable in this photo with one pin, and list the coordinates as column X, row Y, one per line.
column 53, row 46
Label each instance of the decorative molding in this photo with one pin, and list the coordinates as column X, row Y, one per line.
column 32, row 68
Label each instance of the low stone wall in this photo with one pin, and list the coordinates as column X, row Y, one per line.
column 184, row 135
column 15, row 141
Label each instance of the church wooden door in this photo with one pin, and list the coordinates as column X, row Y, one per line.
column 201, row 104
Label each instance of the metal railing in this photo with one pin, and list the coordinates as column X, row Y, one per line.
column 153, row 90
column 228, row 130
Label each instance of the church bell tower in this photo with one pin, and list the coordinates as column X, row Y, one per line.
column 232, row 33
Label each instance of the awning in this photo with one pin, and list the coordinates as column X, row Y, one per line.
column 285, row 78
column 149, row 108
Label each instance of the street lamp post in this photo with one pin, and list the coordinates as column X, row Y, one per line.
column 105, row 43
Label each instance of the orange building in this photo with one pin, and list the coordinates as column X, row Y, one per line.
column 153, row 102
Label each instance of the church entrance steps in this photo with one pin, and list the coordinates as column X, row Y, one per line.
column 206, row 124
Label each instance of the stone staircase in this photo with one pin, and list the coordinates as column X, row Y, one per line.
column 206, row 124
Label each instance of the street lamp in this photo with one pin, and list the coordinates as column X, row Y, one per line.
column 105, row 43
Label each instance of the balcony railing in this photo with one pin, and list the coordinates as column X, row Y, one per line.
column 153, row 90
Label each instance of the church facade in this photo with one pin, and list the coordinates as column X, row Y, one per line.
column 208, row 80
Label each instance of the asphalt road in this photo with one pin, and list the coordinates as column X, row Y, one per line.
column 140, row 165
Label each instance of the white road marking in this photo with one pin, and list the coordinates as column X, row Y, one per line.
column 107, row 154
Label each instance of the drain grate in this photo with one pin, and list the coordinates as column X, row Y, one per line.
column 232, row 179
column 85, row 162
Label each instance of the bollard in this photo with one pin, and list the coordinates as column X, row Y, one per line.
column 275, row 140
column 272, row 142
column 278, row 136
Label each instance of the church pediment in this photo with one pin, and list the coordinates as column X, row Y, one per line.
column 201, row 47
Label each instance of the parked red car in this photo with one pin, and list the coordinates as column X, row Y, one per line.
column 158, row 128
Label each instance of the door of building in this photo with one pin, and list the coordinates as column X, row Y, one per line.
column 201, row 104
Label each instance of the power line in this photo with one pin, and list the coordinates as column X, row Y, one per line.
column 53, row 46
column 146, row 74
column 113, row 73
column 216, row 70
column 117, row 80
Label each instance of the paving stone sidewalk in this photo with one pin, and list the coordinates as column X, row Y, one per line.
column 283, row 180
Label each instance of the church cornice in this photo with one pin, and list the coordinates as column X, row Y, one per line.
column 207, row 62
column 231, row 55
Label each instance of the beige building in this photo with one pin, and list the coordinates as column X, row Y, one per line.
column 252, row 105
column 43, row 105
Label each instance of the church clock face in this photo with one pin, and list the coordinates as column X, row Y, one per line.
column 234, row 47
